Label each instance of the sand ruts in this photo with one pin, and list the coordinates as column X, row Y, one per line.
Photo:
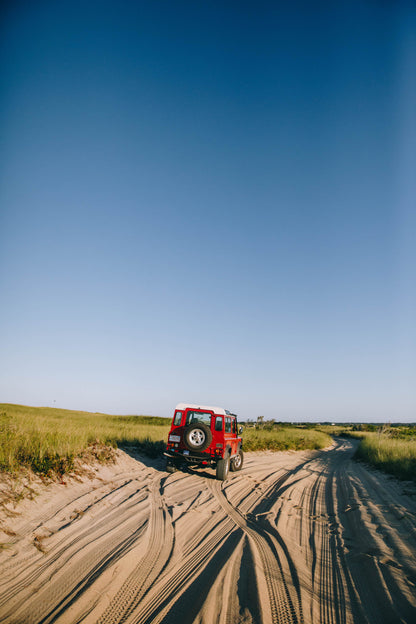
column 295, row 537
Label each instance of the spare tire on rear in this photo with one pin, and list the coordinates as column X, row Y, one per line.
column 197, row 437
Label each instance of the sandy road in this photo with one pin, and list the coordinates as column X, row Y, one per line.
column 294, row 538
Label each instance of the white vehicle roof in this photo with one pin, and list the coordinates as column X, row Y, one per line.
column 216, row 410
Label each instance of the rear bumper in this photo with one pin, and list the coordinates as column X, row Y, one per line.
column 190, row 457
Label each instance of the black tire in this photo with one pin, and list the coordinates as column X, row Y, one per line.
column 237, row 462
column 197, row 437
column 223, row 466
column 171, row 466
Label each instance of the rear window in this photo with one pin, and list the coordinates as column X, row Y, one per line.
column 177, row 419
column 218, row 423
column 202, row 417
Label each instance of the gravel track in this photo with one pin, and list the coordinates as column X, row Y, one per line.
column 294, row 538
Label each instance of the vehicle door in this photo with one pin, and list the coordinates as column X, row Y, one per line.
column 230, row 432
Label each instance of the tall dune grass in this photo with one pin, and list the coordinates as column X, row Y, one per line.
column 394, row 455
column 48, row 440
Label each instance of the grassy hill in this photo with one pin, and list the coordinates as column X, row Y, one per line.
column 48, row 440
column 51, row 441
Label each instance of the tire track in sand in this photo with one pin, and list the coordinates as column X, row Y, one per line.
column 298, row 538
column 284, row 605
column 161, row 543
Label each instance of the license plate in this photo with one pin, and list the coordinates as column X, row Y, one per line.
column 174, row 438
column 186, row 452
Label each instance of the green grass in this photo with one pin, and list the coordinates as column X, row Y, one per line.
column 48, row 440
column 395, row 454
column 334, row 430
column 281, row 438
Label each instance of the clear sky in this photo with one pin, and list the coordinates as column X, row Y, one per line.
column 210, row 202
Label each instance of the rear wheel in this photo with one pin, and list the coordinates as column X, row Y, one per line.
column 223, row 466
column 237, row 462
column 171, row 466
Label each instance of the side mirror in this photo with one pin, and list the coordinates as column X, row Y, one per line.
column 240, row 429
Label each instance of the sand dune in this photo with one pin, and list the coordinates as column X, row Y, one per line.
column 295, row 537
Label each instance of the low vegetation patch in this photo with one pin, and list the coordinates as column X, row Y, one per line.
column 283, row 438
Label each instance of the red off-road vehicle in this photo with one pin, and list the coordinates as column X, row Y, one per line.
column 204, row 436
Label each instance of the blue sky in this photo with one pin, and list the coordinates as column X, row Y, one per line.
column 209, row 202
